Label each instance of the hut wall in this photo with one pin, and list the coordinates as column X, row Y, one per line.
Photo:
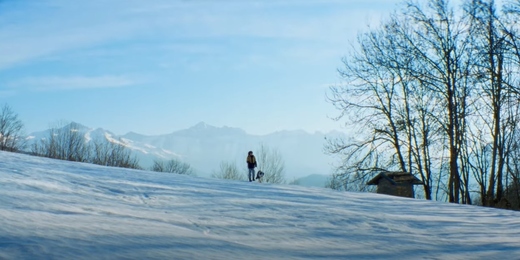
column 386, row 187
column 405, row 190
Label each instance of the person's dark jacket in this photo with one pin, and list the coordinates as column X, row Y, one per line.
column 251, row 161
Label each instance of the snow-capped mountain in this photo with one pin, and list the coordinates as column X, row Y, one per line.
column 204, row 147
column 144, row 152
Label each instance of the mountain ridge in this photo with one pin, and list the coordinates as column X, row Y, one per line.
column 202, row 125
column 205, row 147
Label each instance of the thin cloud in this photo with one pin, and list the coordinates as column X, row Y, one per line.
column 71, row 27
column 72, row 83
column 7, row 93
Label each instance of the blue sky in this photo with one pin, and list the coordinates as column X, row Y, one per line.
column 157, row 66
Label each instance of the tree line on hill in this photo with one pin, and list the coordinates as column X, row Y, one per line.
column 434, row 90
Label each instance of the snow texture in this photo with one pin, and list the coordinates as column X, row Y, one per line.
column 52, row 209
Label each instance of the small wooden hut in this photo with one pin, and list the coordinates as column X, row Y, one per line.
column 395, row 183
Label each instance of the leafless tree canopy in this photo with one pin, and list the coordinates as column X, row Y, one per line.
column 64, row 142
column 11, row 137
column 115, row 154
column 271, row 162
column 434, row 91
column 229, row 171
column 67, row 142
column 172, row 166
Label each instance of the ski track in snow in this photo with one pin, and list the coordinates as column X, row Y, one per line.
column 62, row 210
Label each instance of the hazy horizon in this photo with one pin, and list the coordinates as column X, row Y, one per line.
column 63, row 123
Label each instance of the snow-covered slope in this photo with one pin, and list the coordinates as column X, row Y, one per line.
column 53, row 209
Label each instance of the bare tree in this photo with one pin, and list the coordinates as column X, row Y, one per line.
column 270, row 162
column 393, row 114
column 113, row 153
column 442, row 45
column 434, row 91
column 172, row 166
column 335, row 182
column 68, row 142
column 65, row 143
column 294, row 182
column 497, row 114
column 11, row 127
column 228, row 171
column 407, row 94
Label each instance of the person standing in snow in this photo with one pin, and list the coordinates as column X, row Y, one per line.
column 251, row 165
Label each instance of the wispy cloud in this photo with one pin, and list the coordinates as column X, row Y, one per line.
column 57, row 26
column 7, row 93
column 71, row 83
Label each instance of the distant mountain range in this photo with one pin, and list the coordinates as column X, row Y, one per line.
column 204, row 147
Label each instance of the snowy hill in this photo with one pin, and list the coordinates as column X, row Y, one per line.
column 204, row 147
column 52, row 209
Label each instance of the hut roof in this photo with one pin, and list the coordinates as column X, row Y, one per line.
column 395, row 178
